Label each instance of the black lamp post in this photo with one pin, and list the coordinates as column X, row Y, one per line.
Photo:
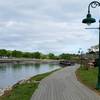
column 80, row 53
column 89, row 20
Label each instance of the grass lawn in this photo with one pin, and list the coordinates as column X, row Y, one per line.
column 24, row 91
column 88, row 77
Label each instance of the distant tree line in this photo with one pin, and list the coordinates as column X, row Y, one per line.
column 36, row 55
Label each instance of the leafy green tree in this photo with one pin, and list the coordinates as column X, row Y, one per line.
column 65, row 56
column 51, row 56
column 17, row 54
column 37, row 55
column 3, row 52
column 43, row 56
column 27, row 55
column 9, row 53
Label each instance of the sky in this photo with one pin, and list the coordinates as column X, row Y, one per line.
column 46, row 26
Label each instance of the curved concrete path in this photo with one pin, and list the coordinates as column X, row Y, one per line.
column 63, row 85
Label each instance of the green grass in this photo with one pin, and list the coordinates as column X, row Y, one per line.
column 88, row 77
column 24, row 91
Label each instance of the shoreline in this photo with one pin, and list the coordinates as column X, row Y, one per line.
column 31, row 80
column 25, row 80
column 24, row 61
column 28, row 61
column 9, row 88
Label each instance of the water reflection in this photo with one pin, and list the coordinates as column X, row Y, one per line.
column 2, row 68
column 37, row 66
column 16, row 67
column 12, row 73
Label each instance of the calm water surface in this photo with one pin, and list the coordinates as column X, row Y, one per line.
column 12, row 73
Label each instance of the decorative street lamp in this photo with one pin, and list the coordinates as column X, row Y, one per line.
column 89, row 20
column 80, row 52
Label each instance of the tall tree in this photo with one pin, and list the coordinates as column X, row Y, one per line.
column 17, row 54
column 51, row 56
column 3, row 52
column 37, row 55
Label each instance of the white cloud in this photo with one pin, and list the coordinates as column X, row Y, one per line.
column 46, row 26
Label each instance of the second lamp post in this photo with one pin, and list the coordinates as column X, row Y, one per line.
column 89, row 20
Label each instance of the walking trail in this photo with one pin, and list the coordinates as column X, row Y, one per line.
column 63, row 85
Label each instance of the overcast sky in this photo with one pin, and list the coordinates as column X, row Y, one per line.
column 46, row 25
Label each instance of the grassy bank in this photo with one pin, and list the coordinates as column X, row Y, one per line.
column 88, row 77
column 25, row 90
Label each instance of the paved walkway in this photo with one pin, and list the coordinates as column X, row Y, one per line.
column 63, row 85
